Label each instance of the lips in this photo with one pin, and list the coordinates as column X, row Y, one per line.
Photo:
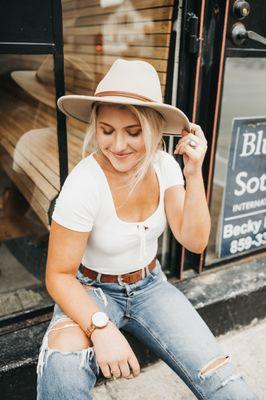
column 123, row 155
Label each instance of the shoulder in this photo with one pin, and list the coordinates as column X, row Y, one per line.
column 81, row 185
column 165, row 160
column 82, row 176
column 79, row 200
column 84, row 166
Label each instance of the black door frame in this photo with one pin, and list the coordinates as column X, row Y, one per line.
column 204, row 45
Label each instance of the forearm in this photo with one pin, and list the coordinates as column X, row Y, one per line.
column 196, row 222
column 72, row 298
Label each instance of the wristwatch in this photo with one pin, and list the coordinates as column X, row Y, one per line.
column 98, row 320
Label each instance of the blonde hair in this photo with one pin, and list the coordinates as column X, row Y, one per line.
column 151, row 123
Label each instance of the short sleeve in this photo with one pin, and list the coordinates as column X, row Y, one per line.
column 172, row 172
column 77, row 204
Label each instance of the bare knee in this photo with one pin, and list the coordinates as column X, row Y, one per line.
column 213, row 365
column 69, row 338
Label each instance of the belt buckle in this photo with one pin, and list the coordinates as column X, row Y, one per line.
column 120, row 280
column 144, row 272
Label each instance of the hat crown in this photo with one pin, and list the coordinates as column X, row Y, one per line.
column 74, row 66
column 132, row 76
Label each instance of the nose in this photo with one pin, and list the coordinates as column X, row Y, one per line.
column 120, row 143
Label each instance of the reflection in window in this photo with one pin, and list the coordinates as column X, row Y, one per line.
column 244, row 95
column 95, row 34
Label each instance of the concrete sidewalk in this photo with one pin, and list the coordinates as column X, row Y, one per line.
column 247, row 347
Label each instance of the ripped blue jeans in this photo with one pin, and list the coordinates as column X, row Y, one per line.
column 160, row 316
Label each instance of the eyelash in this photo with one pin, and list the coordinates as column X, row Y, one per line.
column 131, row 134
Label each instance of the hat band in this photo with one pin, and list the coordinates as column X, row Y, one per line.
column 124, row 94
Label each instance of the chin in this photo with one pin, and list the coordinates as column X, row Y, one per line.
column 122, row 166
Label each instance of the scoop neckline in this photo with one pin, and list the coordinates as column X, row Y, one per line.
column 157, row 172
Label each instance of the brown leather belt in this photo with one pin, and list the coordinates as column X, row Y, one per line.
column 130, row 277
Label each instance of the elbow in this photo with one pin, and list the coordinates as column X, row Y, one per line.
column 196, row 243
column 200, row 246
column 196, row 247
column 199, row 249
column 48, row 286
column 50, row 281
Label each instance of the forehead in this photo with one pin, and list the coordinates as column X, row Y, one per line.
column 114, row 111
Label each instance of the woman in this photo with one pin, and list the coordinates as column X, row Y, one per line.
column 110, row 212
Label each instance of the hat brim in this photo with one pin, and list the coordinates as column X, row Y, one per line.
column 27, row 80
column 79, row 107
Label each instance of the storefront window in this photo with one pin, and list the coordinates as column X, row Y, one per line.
column 28, row 182
column 244, row 95
column 94, row 36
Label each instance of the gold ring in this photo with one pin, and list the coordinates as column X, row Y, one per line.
column 192, row 143
column 113, row 377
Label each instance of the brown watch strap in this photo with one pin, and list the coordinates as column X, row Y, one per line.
column 92, row 327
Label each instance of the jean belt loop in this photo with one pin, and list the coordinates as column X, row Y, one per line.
column 143, row 273
column 99, row 277
column 147, row 270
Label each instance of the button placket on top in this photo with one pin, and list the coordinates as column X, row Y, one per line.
column 142, row 235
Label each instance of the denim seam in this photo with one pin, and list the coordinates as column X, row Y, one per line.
column 142, row 323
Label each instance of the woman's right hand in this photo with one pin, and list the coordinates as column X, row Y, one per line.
column 114, row 353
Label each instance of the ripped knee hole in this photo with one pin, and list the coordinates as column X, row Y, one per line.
column 213, row 365
column 61, row 338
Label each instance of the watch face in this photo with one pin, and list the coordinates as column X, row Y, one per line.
column 100, row 319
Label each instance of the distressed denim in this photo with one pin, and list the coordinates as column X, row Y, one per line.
column 160, row 316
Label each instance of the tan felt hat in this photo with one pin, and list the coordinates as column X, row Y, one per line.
column 133, row 82
column 40, row 83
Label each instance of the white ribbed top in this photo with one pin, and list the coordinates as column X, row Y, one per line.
column 85, row 204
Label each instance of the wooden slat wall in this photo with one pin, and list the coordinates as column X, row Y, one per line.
column 28, row 148
column 95, row 37
column 132, row 29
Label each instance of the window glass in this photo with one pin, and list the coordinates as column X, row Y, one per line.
column 95, row 34
column 244, row 93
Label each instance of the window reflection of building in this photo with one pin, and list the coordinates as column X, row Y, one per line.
column 119, row 29
column 94, row 36
column 126, row 26
column 141, row 32
column 29, row 136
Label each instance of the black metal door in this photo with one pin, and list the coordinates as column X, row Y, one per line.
column 222, row 76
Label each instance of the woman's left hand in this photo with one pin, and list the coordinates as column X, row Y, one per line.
column 193, row 155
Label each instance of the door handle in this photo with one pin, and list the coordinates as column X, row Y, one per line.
column 255, row 36
column 239, row 34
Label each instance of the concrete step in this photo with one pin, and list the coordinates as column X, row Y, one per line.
column 246, row 347
column 227, row 297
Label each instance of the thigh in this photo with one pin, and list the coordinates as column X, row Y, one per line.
column 166, row 321
column 103, row 300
